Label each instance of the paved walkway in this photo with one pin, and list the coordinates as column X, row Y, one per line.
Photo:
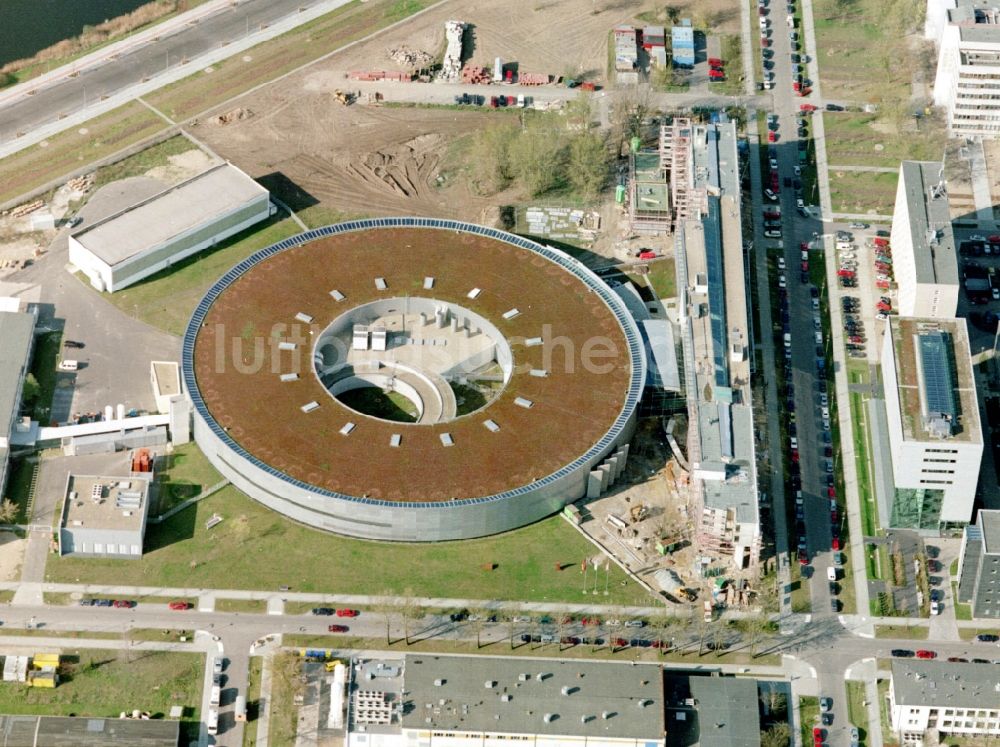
column 980, row 176
column 870, row 169
column 264, row 702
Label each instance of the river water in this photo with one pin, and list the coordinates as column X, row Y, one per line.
column 26, row 26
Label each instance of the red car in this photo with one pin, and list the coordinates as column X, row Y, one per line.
column 716, row 62
column 765, row 42
column 796, row 86
column 880, row 241
column 831, row 492
column 795, row 455
column 124, row 604
column 805, row 267
column 337, row 628
column 619, row 642
column 925, row 654
column 807, row 107
column 347, row 613
column 772, row 136
column 836, row 543
column 803, row 558
column 179, row 605
column 994, row 239
column 716, row 74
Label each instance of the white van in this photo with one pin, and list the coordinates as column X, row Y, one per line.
column 831, row 573
column 68, row 365
column 216, row 694
column 212, row 722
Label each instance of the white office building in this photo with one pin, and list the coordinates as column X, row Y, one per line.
column 934, row 434
column 147, row 237
column 944, row 698
column 967, row 84
column 923, row 244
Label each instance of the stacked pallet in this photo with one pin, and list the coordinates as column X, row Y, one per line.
column 476, row 74
column 533, row 79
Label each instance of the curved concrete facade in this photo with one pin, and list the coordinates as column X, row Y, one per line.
column 362, row 517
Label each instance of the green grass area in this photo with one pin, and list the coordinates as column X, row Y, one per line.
column 100, row 635
column 58, row 597
column 180, row 552
column 156, row 599
column 257, row 606
column 139, row 163
column 857, row 713
column 275, row 57
column 6, row 596
column 253, row 701
column 373, row 401
column 855, row 139
column 44, row 359
column 95, row 139
column 888, row 738
column 162, row 636
column 19, row 476
column 808, row 716
column 902, row 632
column 662, row 277
column 183, row 474
column 962, row 611
column 801, row 601
column 317, row 216
column 102, row 682
column 862, row 192
column 732, row 53
column 953, row 568
column 471, row 398
column 166, row 299
column 283, row 713
column 859, row 426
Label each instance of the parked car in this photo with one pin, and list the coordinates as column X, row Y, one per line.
column 179, row 605
column 925, row 654
column 73, row 344
column 902, row 653
column 347, row 613
column 987, row 638
column 327, row 611
column 124, row 604
column 337, row 628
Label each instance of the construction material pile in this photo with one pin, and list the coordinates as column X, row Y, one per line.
column 411, row 58
column 476, row 74
column 29, row 207
column 81, row 183
column 232, row 116
column 533, row 79
column 452, row 64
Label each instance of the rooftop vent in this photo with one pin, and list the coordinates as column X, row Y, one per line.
column 346, row 430
column 505, row 697
column 550, row 717
column 438, row 683
column 474, row 293
column 395, row 439
column 522, row 402
column 286, row 346
column 289, row 377
column 337, row 295
column 303, row 317
column 310, row 406
column 380, row 284
column 511, row 314
column 491, row 425
column 446, row 439
column 428, row 283
column 490, row 684
column 524, row 677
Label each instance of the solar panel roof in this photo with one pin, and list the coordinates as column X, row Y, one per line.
column 935, row 367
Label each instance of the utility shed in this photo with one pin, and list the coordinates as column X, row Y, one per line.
column 66, row 731
column 149, row 236
column 104, row 517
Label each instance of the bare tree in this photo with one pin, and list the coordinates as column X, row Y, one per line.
column 629, row 109
column 8, row 511
column 409, row 611
column 777, row 736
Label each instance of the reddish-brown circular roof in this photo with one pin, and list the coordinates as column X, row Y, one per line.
column 572, row 409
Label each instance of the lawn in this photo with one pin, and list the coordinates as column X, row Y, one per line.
column 373, row 401
column 97, row 138
column 859, row 425
column 257, row 606
column 253, row 701
column 255, row 548
column 801, row 600
column 855, row 139
column 662, row 277
column 183, row 474
column 275, row 57
column 962, row 611
column 863, row 192
column 99, row 682
column 809, row 717
column 139, row 163
column 167, row 298
column 19, row 478
column 967, row 634
column 857, row 713
column 902, row 632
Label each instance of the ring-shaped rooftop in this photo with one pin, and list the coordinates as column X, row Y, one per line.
column 557, row 414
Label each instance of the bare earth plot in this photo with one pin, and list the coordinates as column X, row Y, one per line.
column 862, row 192
column 862, row 140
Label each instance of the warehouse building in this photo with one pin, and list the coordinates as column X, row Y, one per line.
column 682, row 43
column 17, row 333
column 63, row 731
column 979, row 565
column 143, row 239
column 104, row 517
column 952, row 698
column 967, row 34
column 451, row 700
column 923, row 244
column 935, row 440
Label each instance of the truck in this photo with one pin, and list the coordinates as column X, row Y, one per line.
column 212, row 722
column 216, row 695
column 240, row 709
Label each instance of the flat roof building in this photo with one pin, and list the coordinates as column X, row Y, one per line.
column 104, row 517
column 541, row 702
column 979, row 565
column 935, row 437
column 144, row 238
column 728, row 711
column 925, row 262
column 946, row 697
column 967, row 33
column 165, row 376
column 17, row 335
column 83, row 731
column 717, row 341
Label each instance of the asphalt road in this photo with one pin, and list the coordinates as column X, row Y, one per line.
column 71, row 94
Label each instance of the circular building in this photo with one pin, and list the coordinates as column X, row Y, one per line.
column 412, row 379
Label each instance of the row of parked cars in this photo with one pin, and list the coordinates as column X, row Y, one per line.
column 854, row 326
column 575, row 640
column 119, row 603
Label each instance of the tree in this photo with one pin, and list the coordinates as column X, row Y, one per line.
column 409, row 612
column 628, row 110
column 490, row 156
column 537, row 157
column 756, row 624
column 580, row 111
column 777, row 736
column 588, row 163
column 31, row 390
column 8, row 511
